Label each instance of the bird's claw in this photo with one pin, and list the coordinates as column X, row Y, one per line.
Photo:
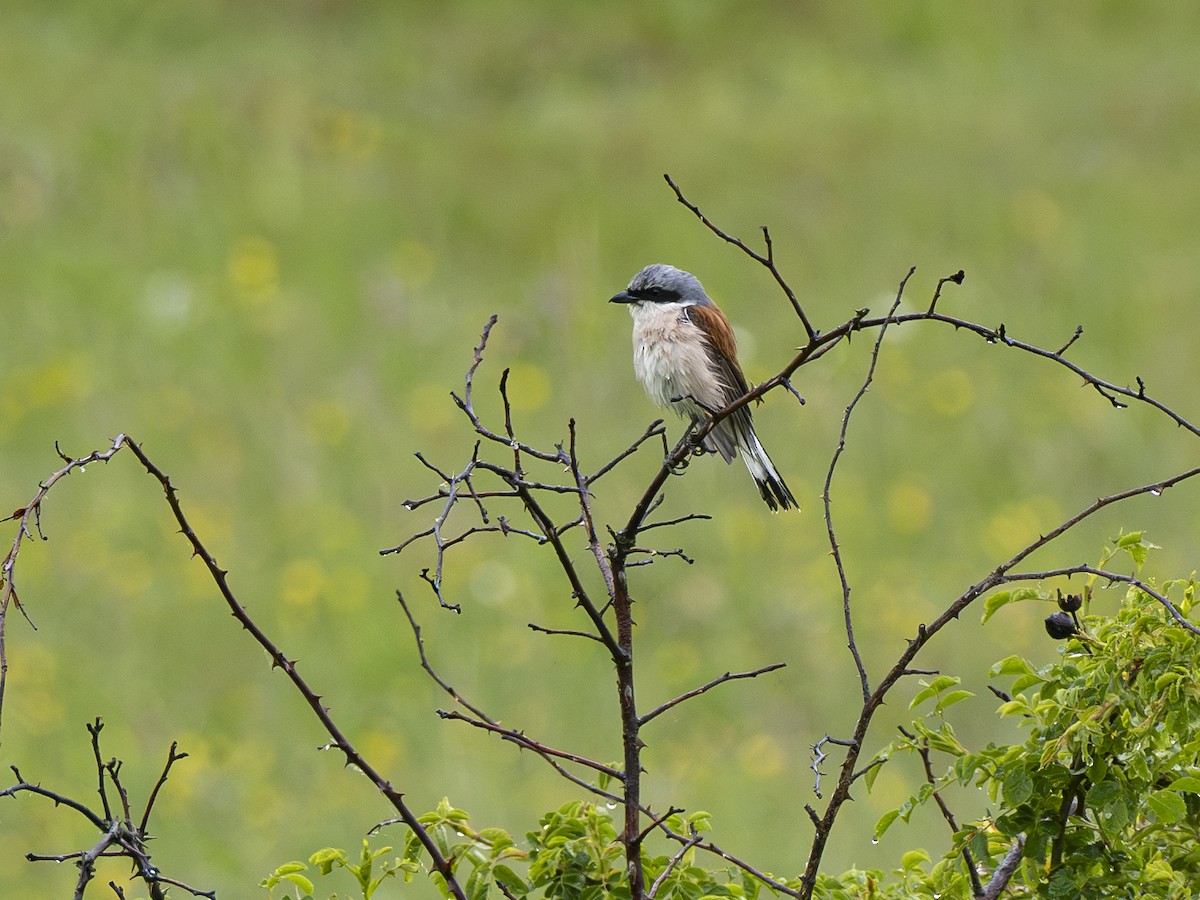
column 679, row 467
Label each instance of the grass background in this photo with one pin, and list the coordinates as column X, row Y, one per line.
column 262, row 239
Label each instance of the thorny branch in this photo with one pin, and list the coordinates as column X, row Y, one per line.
column 31, row 512
column 767, row 260
column 119, row 837
column 609, row 621
column 704, row 688
column 220, row 577
column 482, row 720
column 820, row 343
column 339, row 740
column 826, row 496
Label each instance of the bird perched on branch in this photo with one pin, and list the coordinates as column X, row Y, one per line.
column 685, row 356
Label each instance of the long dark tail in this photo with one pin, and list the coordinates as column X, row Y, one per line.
column 774, row 491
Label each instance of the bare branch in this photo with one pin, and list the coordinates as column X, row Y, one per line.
column 956, row 278
column 671, row 864
column 565, row 631
column 172, row 757
column 311, row 697
column 768, row 261
column 847, row 618
column 819, row 756
column 704, row 688
column 59, row 799
column 654, row 429
column 522, row 740
column 483, row 720
column 32, row 512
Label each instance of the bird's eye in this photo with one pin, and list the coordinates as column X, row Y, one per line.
column 654, row 291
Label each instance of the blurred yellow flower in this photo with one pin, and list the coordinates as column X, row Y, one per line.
column 327, row 421
column 950, row 393
column 254, row 269
column 909, row 507
column 762, row 757
column 301, row 581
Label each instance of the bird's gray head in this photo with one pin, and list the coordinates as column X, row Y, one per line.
column 660, row 283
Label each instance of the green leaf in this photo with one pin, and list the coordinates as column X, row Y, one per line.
column 326, row 859
column 873, row 770
column 1168, row 807
column 913, row 859
column 994, row 602
column 1018, row 787
column 1014, row 708
column 885, row 822
column 979, row 846
column 1021, row 682
column 1138, row 548
column 933, row 689
column 1012, row 665
column 300, row 881
column 951, row 698
column 1188, row 783
column 510, row 879
column 497, row 838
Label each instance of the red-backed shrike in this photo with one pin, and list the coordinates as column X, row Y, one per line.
column 685, row 356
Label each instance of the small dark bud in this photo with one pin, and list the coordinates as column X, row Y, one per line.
column 1070, row 603
column 1060, row 626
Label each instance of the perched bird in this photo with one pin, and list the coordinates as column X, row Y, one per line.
column 685, row 356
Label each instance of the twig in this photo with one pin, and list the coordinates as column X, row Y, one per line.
column 521, row 739
column 767, row 260
column 312, row 698
column 172, row 757
column 94, row 729
column 678, row 520
column 564, row 631
column 1074, row 337
column 59, row 799
column 704, row 688
column 819, row 756
column 826, row 497
column 754, row 872
column 466, row 404
column 483, row 720
column 956, row 278
column 654, row 429
column 32, row 512
column 671, row 864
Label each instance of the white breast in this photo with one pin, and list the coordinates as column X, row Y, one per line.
column 670, row 359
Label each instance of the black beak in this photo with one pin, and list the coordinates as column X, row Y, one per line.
column 624, row 297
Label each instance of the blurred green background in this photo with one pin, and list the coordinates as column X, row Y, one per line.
column 263, row 238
